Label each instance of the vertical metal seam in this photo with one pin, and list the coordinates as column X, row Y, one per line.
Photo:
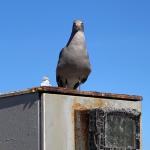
column 41, row 122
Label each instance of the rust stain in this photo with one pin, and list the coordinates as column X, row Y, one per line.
column 81, row 129
column 80, row 119
column 96, row 103
column 78, row 106
column 80, row 116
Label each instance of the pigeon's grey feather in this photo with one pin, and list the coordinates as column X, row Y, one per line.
column 73, row 66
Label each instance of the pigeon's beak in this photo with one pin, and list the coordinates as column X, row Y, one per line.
column 78, row 26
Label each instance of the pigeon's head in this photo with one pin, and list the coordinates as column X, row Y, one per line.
column 78, row 26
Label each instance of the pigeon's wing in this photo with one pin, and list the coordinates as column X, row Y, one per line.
column 60, row 55
column 58, row 69
column 84, row 78
column 59, row 81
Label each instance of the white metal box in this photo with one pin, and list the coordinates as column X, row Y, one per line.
column 50, row 118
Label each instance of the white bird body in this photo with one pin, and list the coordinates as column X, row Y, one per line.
column 45, row 81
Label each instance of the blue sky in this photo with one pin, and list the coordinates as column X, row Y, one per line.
column 117, row 32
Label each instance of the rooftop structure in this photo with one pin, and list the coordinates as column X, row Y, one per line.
column 44, row 118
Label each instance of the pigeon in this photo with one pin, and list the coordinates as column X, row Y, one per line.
column 45, row 81
column 73, row 66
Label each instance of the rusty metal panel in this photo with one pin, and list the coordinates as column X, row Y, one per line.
column 117, row 129
column 96, row 139
column 66, row 119
column 81, row 129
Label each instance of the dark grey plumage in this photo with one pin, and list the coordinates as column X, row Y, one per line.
column 73, row 66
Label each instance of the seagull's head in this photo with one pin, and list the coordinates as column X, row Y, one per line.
column 45, row 78
column 78, row 25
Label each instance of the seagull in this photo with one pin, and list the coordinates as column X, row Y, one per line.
column 73, row 66
column 45, row 81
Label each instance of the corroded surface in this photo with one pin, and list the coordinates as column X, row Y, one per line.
column 64, row 91
column 117, row 129
column 81, row 129
column 67, row 117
